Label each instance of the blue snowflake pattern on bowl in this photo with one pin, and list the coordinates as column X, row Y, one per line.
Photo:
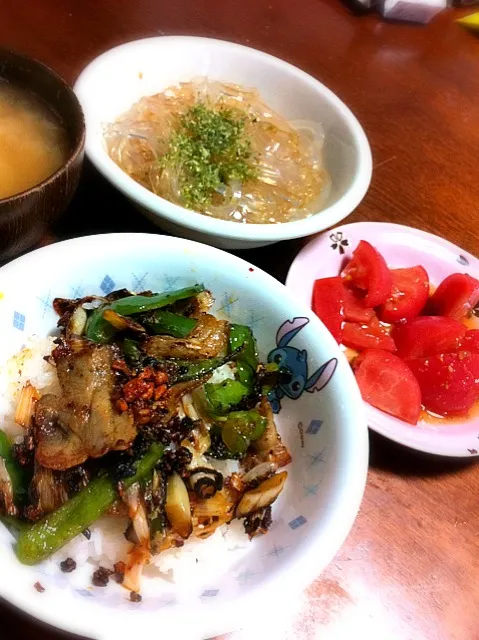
column 107, row 285
column 18, row 320
column 138, row 282
column 314, row 427
column 297, row 522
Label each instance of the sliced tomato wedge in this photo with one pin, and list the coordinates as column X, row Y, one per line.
column 328, row 300
column 367, row 271
column 367, row 336
column 409, row 294
column 455, row 297
column 471, row 341
column 354, row 308
column 428, row 335
column 386, row 382
column 447, row 381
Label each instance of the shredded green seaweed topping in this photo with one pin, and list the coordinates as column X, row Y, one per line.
column 208, row 151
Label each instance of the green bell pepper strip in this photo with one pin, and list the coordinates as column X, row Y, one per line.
column 171, row 324
column 221, row 398
column 240, row 428
column 131, row 351
column 242, row 336
column 40, row 540
column 14, row 525
column 185, row 370
column 4, row 445
column 235, row 441
column 100, row 330
column 19, row 475
column 269, row 377
column 245, row 375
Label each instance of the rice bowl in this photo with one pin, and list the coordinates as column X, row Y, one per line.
column 325, row 431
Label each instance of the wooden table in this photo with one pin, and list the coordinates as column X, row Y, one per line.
column 409, row 568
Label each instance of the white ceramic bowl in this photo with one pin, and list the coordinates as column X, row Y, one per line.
column 117, row 79
column 325, row 431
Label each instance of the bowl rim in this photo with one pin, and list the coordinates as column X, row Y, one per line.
column 302, row 570
column 325, row 218
column 79, row 123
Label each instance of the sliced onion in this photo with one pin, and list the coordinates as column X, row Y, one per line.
column 94, row 304
column 6, row 491
column 122, row 323
column 137, row 513
column 140, row 554
column 26, row 405
column 77, row 323
column 217, row 506
column 261, row 471
column 262, row 496
column 177, row 506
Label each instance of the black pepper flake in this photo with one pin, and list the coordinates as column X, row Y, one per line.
column 101, row 577
column 135, row 597
column 68, row 565
column 39, row 587
column 119, row 575
column 176, row 460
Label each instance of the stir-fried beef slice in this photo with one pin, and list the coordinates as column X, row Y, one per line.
column 84, row 422
column 57, row 446
column 207, row 340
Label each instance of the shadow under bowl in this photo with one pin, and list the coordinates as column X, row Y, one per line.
column 24, row 217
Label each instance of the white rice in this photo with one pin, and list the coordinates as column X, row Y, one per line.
column 107, row 544
column 26, row 366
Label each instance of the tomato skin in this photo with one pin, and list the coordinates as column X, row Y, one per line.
column 387, row 383
column 471, row 341
column 367, row 271
column 355, row 310
column 447, row 381
column 409, row 295
column 367, row 336
column 328, row 300
column 455, row 297
column 333, row 303
column 428, row 335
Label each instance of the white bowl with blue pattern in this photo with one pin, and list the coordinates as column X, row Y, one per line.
column 320, row 416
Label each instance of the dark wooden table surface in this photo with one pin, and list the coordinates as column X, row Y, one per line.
column 409, row 570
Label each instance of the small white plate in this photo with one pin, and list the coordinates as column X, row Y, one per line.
column 401, row 246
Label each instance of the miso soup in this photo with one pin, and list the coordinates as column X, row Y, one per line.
column 33, row 142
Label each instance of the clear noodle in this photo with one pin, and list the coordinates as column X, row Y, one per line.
column 291, row 182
